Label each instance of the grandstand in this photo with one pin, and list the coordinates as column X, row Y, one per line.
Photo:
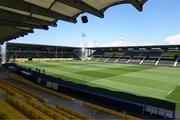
column 32, row 52
column 162, row 55
column 60, row 82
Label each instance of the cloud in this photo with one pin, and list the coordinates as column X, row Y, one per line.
column 119, row 42
column 173, row 39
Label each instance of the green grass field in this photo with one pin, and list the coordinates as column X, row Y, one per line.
column 150, row 81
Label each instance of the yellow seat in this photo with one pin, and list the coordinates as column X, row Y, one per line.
column 118, row 114
column 27, row 109
column 8, row 112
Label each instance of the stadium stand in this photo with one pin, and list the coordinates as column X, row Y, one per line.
column 132, row 53
column 113, row 54
column 115, row 57
column 123, row 59
column 120, row 114
column 28, row 109
column 103, row 56
column 166, row 61
column 19, row 52
column 133, row 56
column 73, row 113
column 170, row 54
column 102, row 59
column 25, row 82
column 151, row 57
column 136, row 60
column 22, row 91
column 169, row 58
column 50, row 112
column 34, row 107
column 163, row 55
column 8, row 112
column 13, row 99
column 93, row 59
column 112, row 59
column 178, row 62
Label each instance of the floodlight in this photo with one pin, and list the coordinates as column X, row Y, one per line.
column 45, row 27
column 84, row 19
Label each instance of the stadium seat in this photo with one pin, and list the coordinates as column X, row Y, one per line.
column 178, row 64
column 119, row 114
column 8, row 112
column 27, row 109
column 45, row 110
column 23, row 92
column 123, row 59
column 79, row 115
column 63, row 113
column 23, row 81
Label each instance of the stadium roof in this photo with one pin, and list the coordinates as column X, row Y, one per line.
column 162, row 47
column 28, row 45
column 20, row 17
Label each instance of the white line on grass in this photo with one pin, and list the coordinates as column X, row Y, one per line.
column 170, row 91
column 131, row 92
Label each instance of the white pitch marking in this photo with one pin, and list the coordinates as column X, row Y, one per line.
column 170, row 91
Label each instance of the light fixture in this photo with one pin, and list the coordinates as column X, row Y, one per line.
column 45, row 27
column 84, row 19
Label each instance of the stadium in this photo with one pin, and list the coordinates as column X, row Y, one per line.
column 39, row 81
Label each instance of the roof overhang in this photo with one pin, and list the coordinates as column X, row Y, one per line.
column 33, row 46
column 155, row 47
column 19, row 17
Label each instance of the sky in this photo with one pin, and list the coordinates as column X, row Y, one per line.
column 159, row 23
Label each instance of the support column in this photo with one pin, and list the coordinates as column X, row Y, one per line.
column 157, row 62
column 142, row 60
column 129, row 60
column 107, row 59
column 117, row 59
column 176, row 62
column 96, row 59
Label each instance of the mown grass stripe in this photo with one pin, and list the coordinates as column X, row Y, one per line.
column 136, row 79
